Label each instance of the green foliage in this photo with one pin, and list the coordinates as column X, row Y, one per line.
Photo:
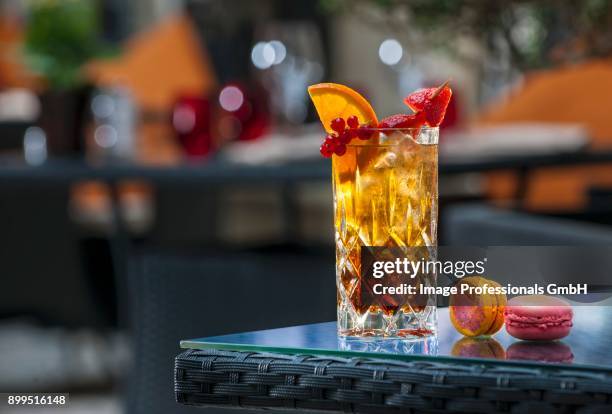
column 61, row 36
column 536, row 33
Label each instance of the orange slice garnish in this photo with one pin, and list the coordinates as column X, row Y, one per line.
column 333, row 100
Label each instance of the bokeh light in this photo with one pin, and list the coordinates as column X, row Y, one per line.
column 105, row 136
column 102, row 106
column 266, row 54
column 183, row 119
column 35, row 146
column 231, row 98
column 390, row 52
column 263, row 55
column 280, row 51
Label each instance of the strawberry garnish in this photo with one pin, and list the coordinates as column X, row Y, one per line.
column 432, row 101
column 403, row 121
column 429, row 106
column 417, row 99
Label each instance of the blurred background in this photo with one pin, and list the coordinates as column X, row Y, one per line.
column 160, row 175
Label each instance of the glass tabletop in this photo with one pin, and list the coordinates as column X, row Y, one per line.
column 588, row 344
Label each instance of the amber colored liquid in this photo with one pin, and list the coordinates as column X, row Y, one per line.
column 384, row 195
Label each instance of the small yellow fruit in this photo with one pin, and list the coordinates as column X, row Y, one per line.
column 477, row 314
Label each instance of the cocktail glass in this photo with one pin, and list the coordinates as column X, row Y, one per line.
column 385, row 195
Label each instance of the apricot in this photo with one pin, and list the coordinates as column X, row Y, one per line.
column 477, row 314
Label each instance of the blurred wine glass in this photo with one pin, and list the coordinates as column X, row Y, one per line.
column 288, row 57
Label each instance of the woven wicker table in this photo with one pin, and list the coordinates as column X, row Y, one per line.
column 309, row 368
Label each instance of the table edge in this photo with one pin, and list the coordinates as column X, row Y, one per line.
column 191, row 344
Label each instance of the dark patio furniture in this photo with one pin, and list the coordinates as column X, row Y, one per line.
column 41, row 262
column 483, row 225
column 174, row 296
column 309, row 368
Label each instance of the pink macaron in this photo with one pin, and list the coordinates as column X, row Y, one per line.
column 538, row 318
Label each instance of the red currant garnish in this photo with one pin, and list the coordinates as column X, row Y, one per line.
column 364, row 133
column 353, row 122
column 328, row 146
column 326, row 151
column 338, row 125
column 340, row 149
column 344, row 132
column 344, row 137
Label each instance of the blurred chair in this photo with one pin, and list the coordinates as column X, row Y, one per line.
column 599, row 203
column 581, row 252
column 174, row 297
column 482, row 225
column 219, row 213
column 12, row 133
column 185, row 215
column 42, row 273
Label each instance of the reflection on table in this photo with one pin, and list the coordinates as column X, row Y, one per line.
column 426, row 346
column 581, row 347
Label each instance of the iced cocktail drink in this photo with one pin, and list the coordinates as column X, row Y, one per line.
column 385, row 195
column 385, row 179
